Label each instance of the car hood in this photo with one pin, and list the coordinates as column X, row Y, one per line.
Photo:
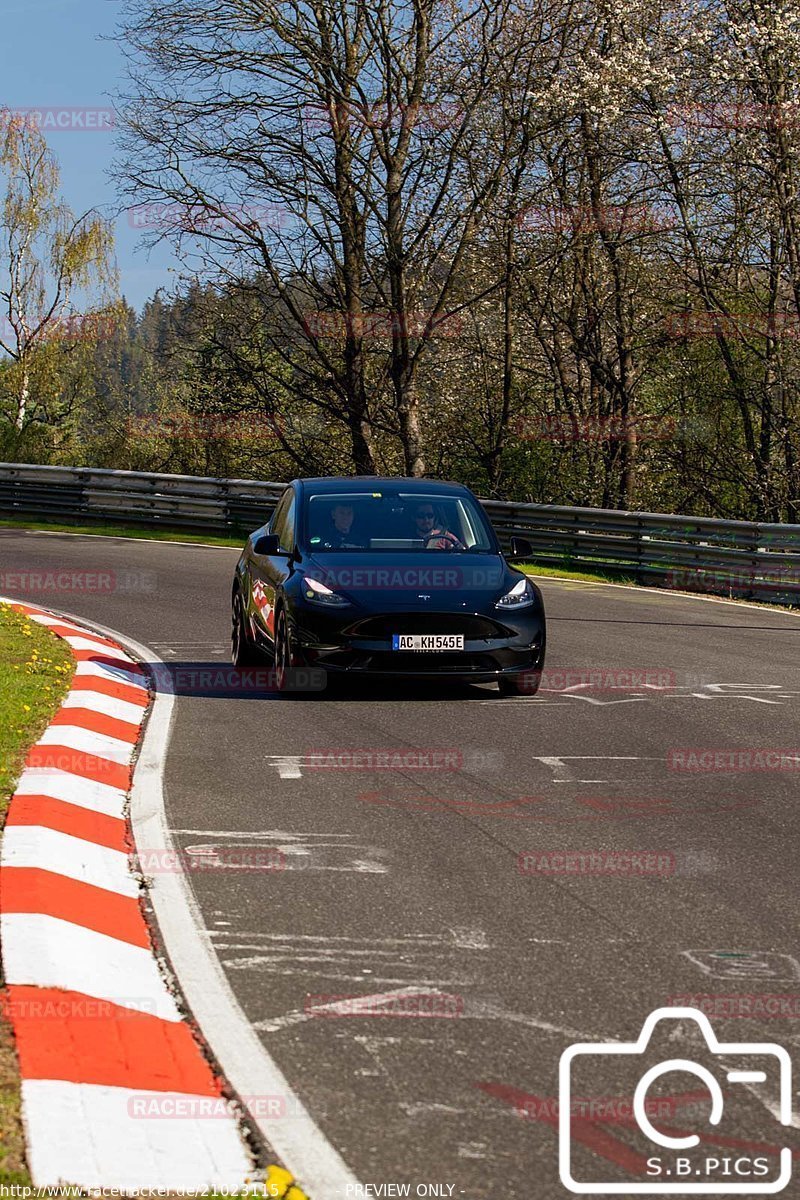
column 434, row 580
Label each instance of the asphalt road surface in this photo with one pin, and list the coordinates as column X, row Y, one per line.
column 408, row 883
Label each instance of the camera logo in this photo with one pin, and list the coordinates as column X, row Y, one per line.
column 676, row 1163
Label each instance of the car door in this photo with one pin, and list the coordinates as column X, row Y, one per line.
column 270, row 571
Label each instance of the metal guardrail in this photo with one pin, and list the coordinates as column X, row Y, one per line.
column 182, row 502
column 738, row 558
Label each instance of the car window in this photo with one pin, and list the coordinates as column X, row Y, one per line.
column 283, row 521
column 393, row 519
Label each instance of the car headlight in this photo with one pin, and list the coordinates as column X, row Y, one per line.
column 314, row 589
column 521, row 595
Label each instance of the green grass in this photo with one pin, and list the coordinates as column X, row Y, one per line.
column 535, row 569
column 557, row 572
column 35, row 672
column 126, row 531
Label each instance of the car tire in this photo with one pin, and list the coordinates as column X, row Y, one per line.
column 283, row 652
column 243, row 652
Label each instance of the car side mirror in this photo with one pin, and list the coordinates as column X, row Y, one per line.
column 520, row 548
column 267, row 545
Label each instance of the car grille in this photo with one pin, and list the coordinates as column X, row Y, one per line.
column 416, row 664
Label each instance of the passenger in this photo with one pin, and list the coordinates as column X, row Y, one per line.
column 340, row 531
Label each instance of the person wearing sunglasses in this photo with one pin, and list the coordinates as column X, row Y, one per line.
column 431, row 526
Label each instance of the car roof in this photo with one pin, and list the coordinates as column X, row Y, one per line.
column 368, row 484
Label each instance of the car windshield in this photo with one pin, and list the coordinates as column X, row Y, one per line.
column 396, row 520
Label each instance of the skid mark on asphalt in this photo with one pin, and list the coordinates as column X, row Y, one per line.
column 394, row 761
column 477, row 1150
column 300, row 851
column 186, row 650
column 375, row 1005
column 386, row 1003
column 756, row 693
column 414, row 962
column 374, row 1045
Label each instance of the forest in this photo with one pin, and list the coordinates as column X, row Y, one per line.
column 549, row 248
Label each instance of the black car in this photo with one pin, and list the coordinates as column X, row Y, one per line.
column 386, row 577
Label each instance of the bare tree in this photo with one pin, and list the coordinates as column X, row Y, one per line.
column 46, row 256
column 325, row 155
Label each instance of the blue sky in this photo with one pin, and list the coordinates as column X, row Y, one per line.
column 52, row 57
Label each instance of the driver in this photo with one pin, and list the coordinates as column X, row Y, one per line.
column 431, row 526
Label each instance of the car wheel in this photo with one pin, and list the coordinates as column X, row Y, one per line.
column 283, row 653
column 243, row 653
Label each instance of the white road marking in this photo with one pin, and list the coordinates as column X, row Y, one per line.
column 85, row 1131
column 288, row 765
column 469, row 939
column 116, row 537
column 472, row 1011
column 563, row 774
column 243, row 1058
column 50, row 850
column 256, row 835
column 42, row 951
column 772, row 1103
column 422, row 1109
column 472, row 1150
column 346, row 1007
column 752, row 964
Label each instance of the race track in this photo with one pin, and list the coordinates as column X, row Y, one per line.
column 411, row 879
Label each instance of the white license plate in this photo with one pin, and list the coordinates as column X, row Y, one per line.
column 427, row 641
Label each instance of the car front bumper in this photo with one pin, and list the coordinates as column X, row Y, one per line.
column 493, row 647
